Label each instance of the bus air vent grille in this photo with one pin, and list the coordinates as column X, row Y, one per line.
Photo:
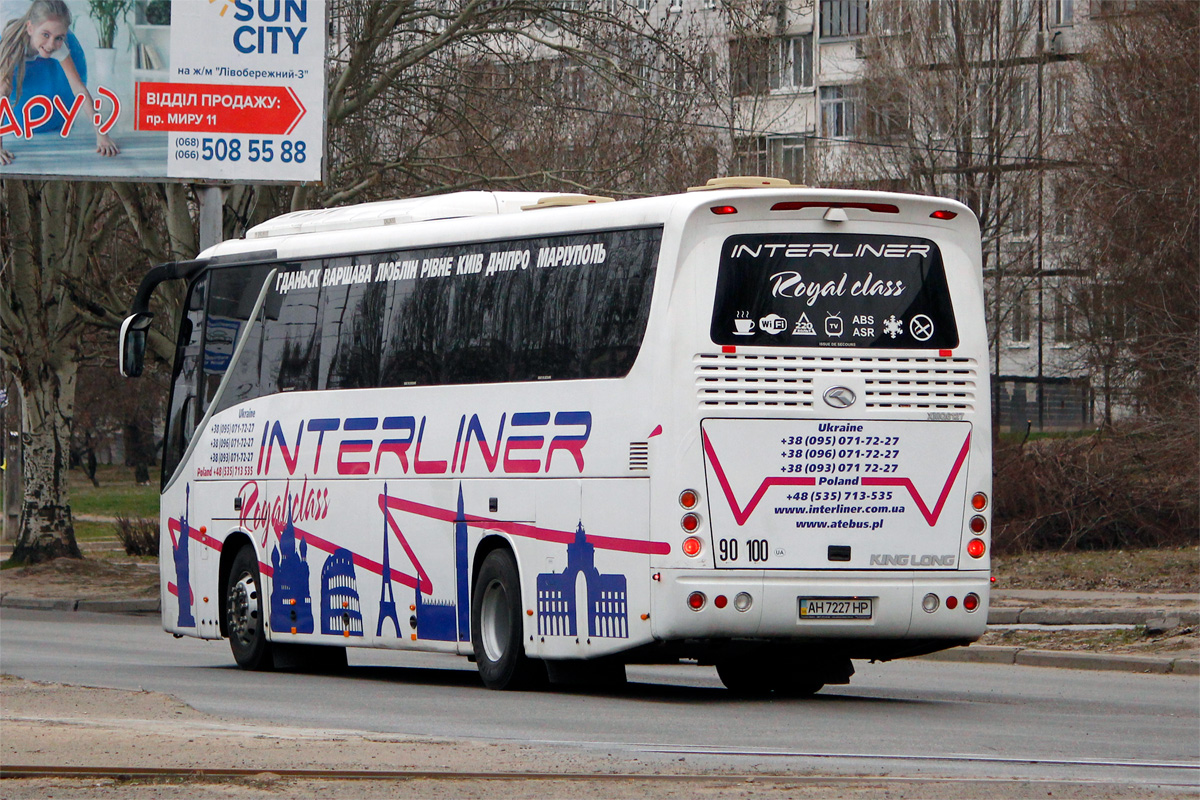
column 910, row 382
column 639, row 455
column 732, row 380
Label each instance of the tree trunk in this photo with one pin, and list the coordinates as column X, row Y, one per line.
column 47, row 231
column 47, row 530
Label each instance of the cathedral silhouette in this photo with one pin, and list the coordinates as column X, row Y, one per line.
column 607, row 597
column 291, row 603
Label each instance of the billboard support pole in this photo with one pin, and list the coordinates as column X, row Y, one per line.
column 211, row 223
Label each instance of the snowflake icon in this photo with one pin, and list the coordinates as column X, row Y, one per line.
column 892, row 326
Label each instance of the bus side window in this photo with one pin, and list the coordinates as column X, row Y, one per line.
column 185, row 383
column 289, row 344
column 232, row 294
column 352, row 319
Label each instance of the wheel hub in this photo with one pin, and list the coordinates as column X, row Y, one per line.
column 243, row 609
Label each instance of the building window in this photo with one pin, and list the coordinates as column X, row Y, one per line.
column 1021, row 100
column 839, row 111
column 1062, row 13
column 1021, row 214
column 1023, row 13
column 751, row 156
column 1020, row 317
column 1060, row 104
column 749, row 61
column 1105, row 8
column 787, row 158
column 1064, row 317
column 843, row 18
column 792, row 63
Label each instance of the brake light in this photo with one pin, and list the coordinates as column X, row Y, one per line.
column 691, row 547
column 944, row 214
column 976, row 548
column 799, row 205
column 723, row 210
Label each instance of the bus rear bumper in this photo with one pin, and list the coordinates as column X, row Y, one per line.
column 897, row 608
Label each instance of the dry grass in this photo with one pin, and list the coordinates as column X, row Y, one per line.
column 1173, row 570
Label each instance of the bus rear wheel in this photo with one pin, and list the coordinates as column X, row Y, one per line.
column 497, row 630
column 747, row 677
column 244, row 613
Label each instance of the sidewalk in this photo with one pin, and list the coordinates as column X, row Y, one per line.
column 1008, row 607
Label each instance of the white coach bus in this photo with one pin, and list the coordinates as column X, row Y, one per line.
column 743, row 426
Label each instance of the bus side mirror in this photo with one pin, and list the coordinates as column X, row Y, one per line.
column 132, row 346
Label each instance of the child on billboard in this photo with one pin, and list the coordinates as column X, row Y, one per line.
column 40, row 57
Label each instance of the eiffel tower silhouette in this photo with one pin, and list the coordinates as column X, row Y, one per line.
column 387, row 600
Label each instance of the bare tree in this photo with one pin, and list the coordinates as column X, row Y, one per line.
column 949, row 104
column 48, row 230
column 1138, row 149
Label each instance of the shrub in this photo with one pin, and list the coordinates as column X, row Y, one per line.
column 1128, row 487
column 139, row 535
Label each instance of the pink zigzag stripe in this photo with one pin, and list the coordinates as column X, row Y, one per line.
column 930, row 516
column 740, row 515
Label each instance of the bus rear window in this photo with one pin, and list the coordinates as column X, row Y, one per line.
column 832, row 290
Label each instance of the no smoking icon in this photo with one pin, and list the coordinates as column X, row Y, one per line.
column 921, row 327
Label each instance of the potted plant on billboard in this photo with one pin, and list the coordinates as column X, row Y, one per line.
column 106, row 14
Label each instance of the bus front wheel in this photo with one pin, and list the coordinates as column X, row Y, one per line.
column 497, row 628
column 244, row 613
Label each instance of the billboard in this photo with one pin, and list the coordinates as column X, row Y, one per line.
column 190, row 90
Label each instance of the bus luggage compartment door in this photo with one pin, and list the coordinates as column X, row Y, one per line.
column 836, row 494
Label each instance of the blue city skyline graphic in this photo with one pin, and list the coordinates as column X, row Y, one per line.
column 291, row 601
column 179, row 552
column 341, row 611
column 448, row 620
column 387, row 599
column 607, row 597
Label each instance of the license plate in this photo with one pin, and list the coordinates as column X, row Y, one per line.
column 836, row 608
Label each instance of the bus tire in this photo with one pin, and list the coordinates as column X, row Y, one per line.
column 744, row 677
column 244, row 618
column 748, row 677
column 497, row 629
column 313, row 658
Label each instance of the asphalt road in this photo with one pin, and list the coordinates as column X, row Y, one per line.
column 903, row 718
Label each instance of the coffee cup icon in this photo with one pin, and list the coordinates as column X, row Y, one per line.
column 745, row 327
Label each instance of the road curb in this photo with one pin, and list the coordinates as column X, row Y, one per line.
column 1068, row 659
column 92, row 606
column 1088, row 616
